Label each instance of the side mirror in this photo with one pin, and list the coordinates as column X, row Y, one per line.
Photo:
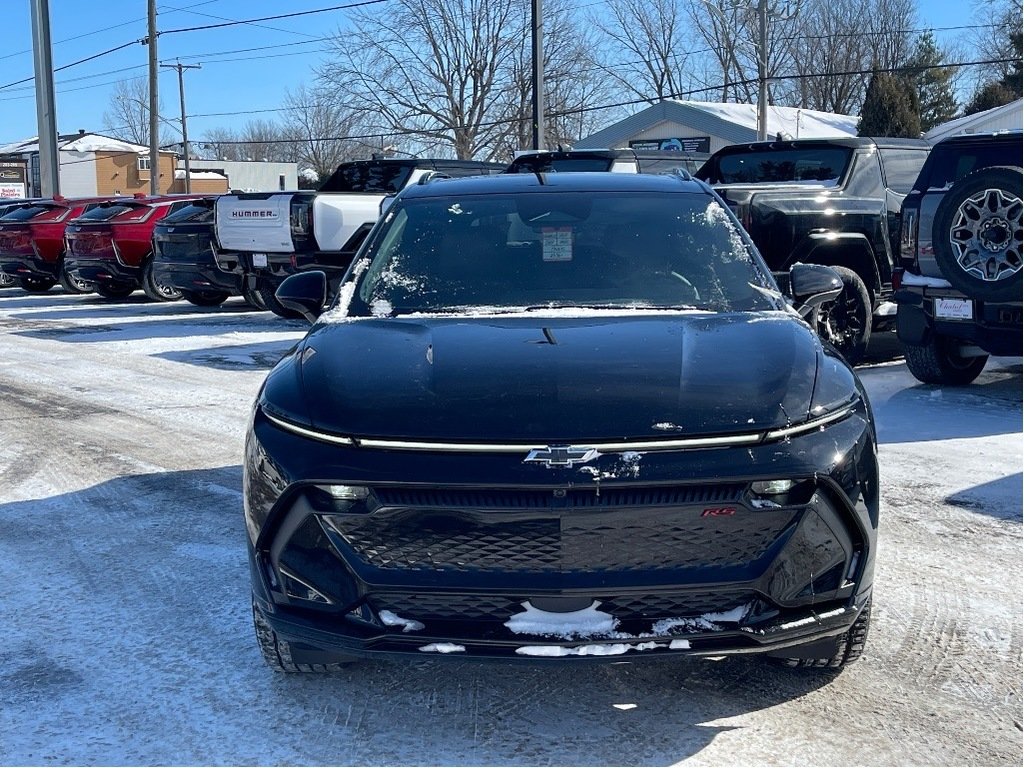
column 305, row 293
column 811, row 285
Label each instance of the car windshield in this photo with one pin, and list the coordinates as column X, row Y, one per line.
column 565, row 249
column 107, row 212
column 810, row 165
column 371, row 178
column 26, row 212
column 196, row 212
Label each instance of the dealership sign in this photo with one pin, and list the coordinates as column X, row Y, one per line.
column 13, row 180
column 690, row 145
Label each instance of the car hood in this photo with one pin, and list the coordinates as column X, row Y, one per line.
column 555, row 379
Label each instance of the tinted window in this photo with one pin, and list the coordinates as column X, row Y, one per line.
column 812, row 165
column 948, row 164
column 105, row 212
column 26, row 213
column 368, row 177
column 901, row 168
column 542, row 164
column 566, row 249
column 194, row 211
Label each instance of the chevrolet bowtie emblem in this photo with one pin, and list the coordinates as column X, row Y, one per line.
column 561, row 455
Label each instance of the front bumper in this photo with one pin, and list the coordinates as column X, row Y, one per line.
column 689, row 561
column 994, row 327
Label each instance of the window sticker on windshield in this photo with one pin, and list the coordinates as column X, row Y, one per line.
column 557, row 243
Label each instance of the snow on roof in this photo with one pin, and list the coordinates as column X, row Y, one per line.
column 180, row 174
column 86, row 142
column 797, row 122
column 1007, row 117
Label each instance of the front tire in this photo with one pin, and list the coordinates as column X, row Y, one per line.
column 278, row 654
column 849, row 647
column 6, row 281
column 940, row 362
column 72, row 284
column 157, row 291
column 846, row 322
column 114, row 291
column 36, row 284
column 205, row 298
column 266, row 288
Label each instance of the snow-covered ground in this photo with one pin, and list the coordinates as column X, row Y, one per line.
column 125, row 634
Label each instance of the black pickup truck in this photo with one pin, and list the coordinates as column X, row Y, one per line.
column 826, row 201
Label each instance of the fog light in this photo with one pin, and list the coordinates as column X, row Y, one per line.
column 296, row 587
column 346, row 492
column 771, row 487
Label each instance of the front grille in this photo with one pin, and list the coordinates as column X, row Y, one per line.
column 434, row 606
column 448, row 498
column 528, row 532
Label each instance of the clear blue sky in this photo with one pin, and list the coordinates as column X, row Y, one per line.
column 241, row 82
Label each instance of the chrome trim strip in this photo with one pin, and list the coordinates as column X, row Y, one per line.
column 325, row 437
column 722, row 441
column 809, row 426
column 646, row 445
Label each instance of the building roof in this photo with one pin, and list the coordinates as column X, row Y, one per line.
column 735, row 123
column 76, row 142
column 1008, row 116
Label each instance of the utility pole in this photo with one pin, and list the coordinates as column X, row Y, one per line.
column 154, row 108
column 762, row 70
column 46, row 108
column 184, row 126
column 538, row 77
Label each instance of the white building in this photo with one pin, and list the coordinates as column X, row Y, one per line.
column 704, row 127
column 250, row 176
column 1009, row 117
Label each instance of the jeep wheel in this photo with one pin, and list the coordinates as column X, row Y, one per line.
column 977, row 234
column 72, row 284
column 36, row 284
column 849, row 647
column 155, row 290
column 940, row 362
column 267, row 288
column 114, row 291
column 205, row 298
column 846, row 322
column 278, row 654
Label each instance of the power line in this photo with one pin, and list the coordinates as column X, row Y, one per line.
column 274, row 18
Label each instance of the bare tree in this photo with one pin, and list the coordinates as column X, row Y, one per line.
column 318, row 119
column 722, row 26
column 430, row 68
column 127, row 114
column 649, row 40
column 219, row 144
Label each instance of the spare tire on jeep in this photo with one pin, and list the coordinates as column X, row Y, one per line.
column 977, row 234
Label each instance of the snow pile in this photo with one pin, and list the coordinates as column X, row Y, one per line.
column 180, row 174
column 708, row 622
column 584, row 623
column 797, row 123
column 609, row 649
column 308, row 174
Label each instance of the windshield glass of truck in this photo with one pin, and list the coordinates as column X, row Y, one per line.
column 818, row 166
column 371, row 178
column 603, row 250
column 535, row 164
column 197, row 212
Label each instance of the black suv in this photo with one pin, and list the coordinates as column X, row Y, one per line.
column 959, row 297
column 558, row 416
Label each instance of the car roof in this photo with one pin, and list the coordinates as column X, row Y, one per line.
column 982, row 138
column 528, row 183
column 841, row 141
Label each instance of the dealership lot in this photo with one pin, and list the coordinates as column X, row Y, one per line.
column 128, row 638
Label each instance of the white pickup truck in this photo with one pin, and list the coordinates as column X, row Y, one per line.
column 270, row 235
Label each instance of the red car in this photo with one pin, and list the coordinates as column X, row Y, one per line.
column 32, row 242
column 111, row 245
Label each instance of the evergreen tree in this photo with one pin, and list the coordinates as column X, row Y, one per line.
column 890, row 108
column 933, row 84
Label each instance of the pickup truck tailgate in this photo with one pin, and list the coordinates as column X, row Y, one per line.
column 255, row 222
